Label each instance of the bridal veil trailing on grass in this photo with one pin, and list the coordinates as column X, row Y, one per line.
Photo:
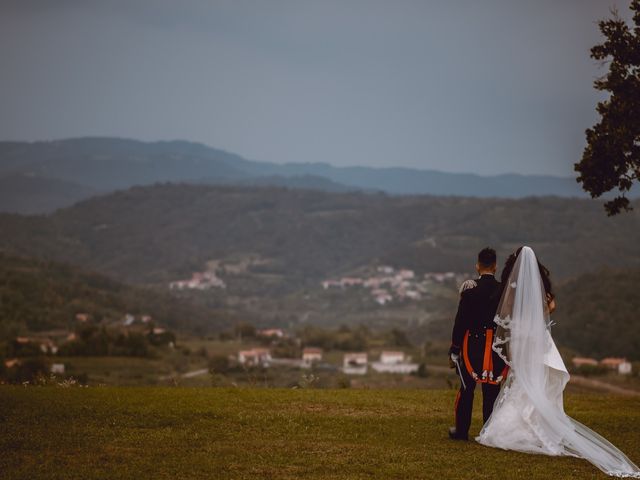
column 528, row 415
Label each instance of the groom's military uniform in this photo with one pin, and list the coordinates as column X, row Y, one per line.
column 472, row 341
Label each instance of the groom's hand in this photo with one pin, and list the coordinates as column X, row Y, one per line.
column 453, row 360
column 454, row 355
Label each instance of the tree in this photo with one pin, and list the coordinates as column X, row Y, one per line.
column 611, row 159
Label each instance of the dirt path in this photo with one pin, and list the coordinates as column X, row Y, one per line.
column 191, row 374
column 575, row 380
column 599, row 385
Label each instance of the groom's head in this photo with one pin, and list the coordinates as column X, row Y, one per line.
column 486, row 261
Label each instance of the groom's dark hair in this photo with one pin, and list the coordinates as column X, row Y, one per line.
column 487, row 257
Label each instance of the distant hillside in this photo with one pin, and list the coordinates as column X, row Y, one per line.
column 599, row 314
column 163, row 232
column 39, row 295
column 28, row 194
column 107, row 164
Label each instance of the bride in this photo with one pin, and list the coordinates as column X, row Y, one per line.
column 528, row 414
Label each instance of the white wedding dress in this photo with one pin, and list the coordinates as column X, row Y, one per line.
column 528, row 415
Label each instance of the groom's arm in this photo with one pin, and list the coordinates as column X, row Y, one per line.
column 460, row 325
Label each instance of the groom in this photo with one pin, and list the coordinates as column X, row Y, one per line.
column 471, row 353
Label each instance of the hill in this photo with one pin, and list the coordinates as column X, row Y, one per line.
column 29, row 194
column 191, row 433
column 107, row 164
column 598, row 314
column 160, row 233
column 38, row 295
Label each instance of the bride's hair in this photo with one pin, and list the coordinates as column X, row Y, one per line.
column 544, row 272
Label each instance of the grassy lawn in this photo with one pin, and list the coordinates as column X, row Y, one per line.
column 238, row 433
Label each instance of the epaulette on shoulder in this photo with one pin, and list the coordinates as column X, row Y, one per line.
column 467, row 285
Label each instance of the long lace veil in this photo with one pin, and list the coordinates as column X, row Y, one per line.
column 524, row 341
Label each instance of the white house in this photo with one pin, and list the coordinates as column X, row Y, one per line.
column 355, row 363
column 381, row 295
column 47, row 346
column 331, row 283
column 620, row 364
column 391, row 357
column 311, row 355
column 272, row 332
column 255, row 356
column 405, row 368
column 394, row 362
column 383, row 299
column 350, row 281
column 580, row 361
column 199, row 281
column 413, row 295
column 624, row 368
column 405, row 273
column 57, row 368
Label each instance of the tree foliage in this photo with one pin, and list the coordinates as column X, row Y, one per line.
column 597, row 314
column 157, row 234
column 611, row 159
column 39, row 295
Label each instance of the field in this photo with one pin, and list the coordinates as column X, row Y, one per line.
column 237, row 433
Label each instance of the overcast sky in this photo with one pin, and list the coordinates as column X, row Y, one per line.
column 482, row 86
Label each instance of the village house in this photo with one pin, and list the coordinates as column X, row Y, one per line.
column 381, row 296
column 413, row 295
column 272, row 332
column 621, row 365
column 57, row 368
column 394, row 362
column 255, row 357
column 383, row 299
column 310, row 355
column 373, row 282
column 439, row 277
column 580, row 361
column 12, row 362
column 355, row 363
column 405, row 273
column 331, row 283
column 48, row 347
column 391, row 357
column 199, row 281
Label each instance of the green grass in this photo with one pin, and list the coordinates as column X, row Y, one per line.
column 253, row 433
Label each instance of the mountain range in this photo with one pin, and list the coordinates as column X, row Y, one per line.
column 39, row 177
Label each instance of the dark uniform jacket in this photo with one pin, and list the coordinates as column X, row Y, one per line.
column 474, row 329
